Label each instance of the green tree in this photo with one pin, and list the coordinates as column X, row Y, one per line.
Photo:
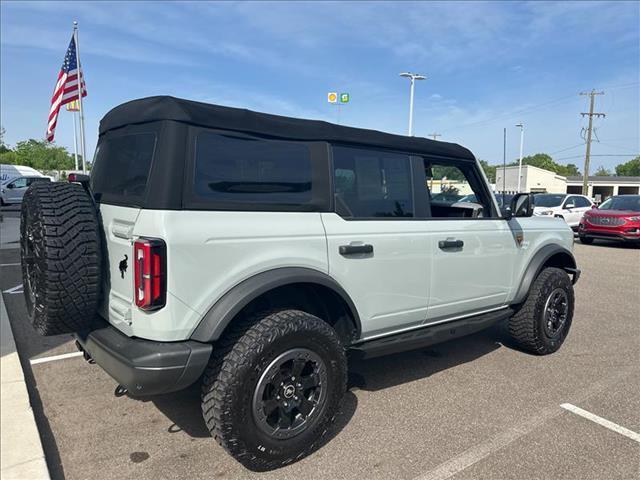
column 571, row 170
column 40, row 155
column 629, row 169
column 602, row 172
column 3, row 146
column 543, row 160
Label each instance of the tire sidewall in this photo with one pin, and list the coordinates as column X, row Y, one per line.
column 555, row 278
column 243, row 428
column 31, row 224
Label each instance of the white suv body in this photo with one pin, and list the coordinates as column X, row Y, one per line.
column 569, row 207
column 250, row 251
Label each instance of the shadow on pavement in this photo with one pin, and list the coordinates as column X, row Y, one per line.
column 600, row 243
column 183, row 409
column 390, row 371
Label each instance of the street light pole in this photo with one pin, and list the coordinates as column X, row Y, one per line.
column 521, row 149
column 412, row 77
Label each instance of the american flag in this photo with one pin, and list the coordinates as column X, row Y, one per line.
column 66, row 89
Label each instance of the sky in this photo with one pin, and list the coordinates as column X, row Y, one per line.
column 489, row 66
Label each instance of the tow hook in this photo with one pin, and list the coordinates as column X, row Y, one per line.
column 85, row 355
column 120, row 391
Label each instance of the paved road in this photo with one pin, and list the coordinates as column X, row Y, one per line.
column 469, row 409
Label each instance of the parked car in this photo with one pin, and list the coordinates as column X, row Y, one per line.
column 250, row 252
column 13, row 190
column 617, row 218
column 561, row 205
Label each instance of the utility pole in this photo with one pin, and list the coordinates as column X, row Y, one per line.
column 585, row 179
column 521, row 126
column 435, row 135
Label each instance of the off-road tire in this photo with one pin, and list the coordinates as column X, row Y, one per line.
column 586, row 240
column 239, row 360
column 60, row 250
column 527, row 326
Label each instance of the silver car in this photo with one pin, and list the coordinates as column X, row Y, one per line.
column 13, row 190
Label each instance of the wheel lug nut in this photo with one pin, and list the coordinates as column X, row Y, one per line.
column 293, row 379
column 277, row 397
column 286, row 404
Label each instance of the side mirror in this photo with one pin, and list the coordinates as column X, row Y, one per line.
column 594, row 206
column 505, row 210
column 569, row 206
column 522, row 205
column 10, row 186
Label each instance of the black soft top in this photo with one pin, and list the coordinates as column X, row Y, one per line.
column 152, row 109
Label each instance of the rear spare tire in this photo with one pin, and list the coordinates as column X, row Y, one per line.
column 61, row 257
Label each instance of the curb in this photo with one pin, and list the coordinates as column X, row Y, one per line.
column 21, row 453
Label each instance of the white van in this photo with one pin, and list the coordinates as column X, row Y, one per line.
column 9, row 172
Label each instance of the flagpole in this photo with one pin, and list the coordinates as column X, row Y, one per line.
column 75, row 140
column 82, row 143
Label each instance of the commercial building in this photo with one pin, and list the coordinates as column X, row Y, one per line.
column 534, row 179
column 601, row 188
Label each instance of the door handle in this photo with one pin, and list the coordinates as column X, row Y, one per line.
column 354, row 249
column 450, row 244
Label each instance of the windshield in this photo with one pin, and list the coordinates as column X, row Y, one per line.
column 548, row 200
column 624, row 202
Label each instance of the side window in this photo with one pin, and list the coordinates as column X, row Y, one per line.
column 19, row 183
column 251, row 171
column 455, row 190
column 372, row 183
column 582, row 202
column 122, row 165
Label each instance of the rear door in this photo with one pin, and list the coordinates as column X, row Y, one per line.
column 119, row 179
column 378, row 248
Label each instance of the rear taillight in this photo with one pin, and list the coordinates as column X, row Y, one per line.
column 150, row 272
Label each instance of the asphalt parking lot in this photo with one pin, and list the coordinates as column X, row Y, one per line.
column 474, row 408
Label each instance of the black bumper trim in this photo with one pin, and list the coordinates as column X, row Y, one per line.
column 145, row 367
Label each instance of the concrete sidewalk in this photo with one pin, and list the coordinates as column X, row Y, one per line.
column 21, row 454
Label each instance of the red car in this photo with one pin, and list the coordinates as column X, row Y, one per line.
column 618, row 218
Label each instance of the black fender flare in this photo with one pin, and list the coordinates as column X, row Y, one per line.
column 231, row 303
column 536, row 264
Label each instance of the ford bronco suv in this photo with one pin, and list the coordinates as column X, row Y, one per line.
column 251, row 253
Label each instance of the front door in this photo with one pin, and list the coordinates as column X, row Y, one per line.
column 378, row 250
column 474, row 249
column 15, row 190
column 573, row 209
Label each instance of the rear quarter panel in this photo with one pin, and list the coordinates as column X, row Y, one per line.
column 209, row 252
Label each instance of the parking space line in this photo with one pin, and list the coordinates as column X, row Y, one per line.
column 484, row 449
column 36, row 361
column 9, row 264
column 602, row 421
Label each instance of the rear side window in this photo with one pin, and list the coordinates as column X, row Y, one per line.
column 372, row 183
column 251, row 171
column 121, row 167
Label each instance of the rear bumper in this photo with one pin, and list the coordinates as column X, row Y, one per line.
column 145, row 367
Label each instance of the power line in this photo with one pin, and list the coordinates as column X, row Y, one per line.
column 602, row 155
column 568, row 148
column 514, row 113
